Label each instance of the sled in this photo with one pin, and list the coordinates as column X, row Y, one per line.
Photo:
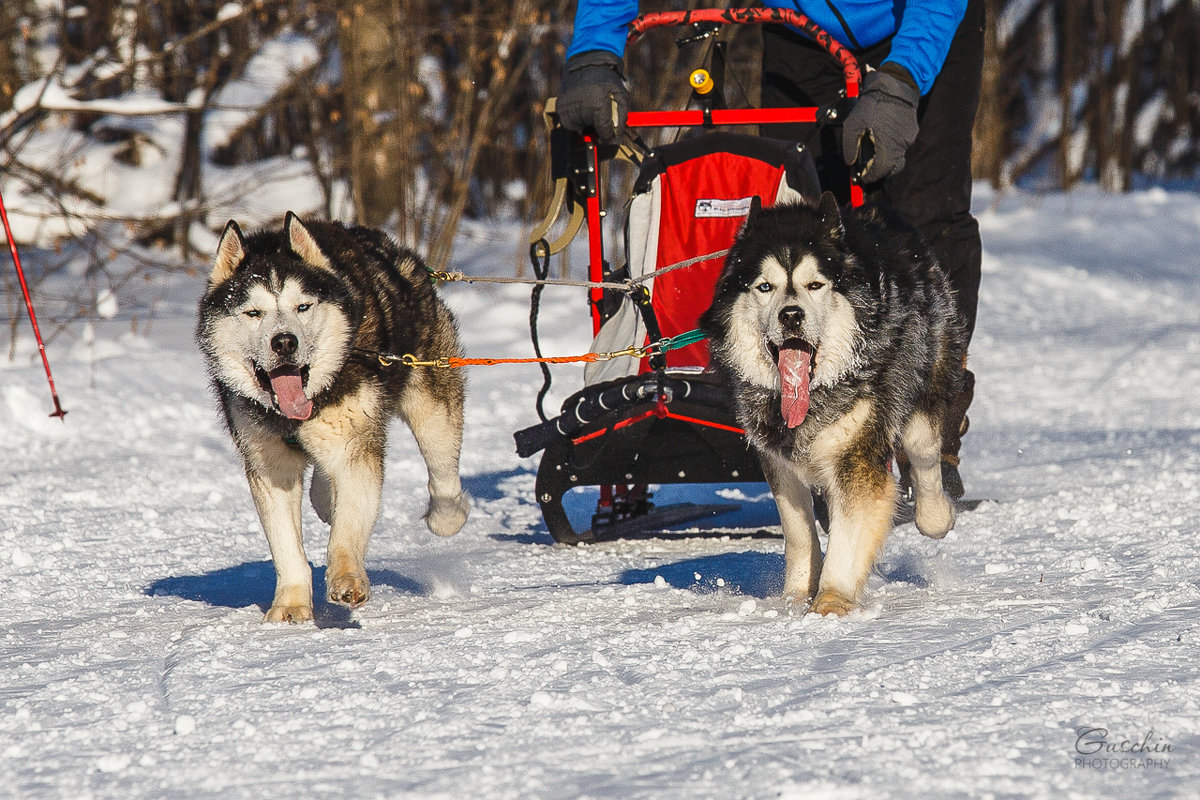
column 660, row 416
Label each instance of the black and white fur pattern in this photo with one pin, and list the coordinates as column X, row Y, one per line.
column 288, row 327
column 859, row 290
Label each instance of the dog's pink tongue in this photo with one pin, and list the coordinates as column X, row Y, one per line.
column 794, row 366
column 289, row 394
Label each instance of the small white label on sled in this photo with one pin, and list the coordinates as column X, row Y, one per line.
column 723, row 208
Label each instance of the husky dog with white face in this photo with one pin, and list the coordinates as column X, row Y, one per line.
column 291, row 327
column 837, row 333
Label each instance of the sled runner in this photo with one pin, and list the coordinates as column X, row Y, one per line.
column 661, row 417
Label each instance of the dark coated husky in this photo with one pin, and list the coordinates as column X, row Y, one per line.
column 291, row 327
column 837, row 333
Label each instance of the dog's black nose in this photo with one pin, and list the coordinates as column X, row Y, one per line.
column 285, row 344
column 791, row 318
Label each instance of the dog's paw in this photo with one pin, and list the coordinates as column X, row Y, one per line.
column 348, row 589
column 935, row 517
column 831, row 602
column 292, row 614
column 446, row 515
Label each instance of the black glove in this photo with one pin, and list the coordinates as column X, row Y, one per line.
column 594, row 97
column 886, row 112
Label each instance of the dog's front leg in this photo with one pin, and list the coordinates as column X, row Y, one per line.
column 356, row 486
column 862, row 499
column 347, row 442
column 275, row 473
column 801, row 550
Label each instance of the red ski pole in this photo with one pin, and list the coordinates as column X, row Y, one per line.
column 12, row 246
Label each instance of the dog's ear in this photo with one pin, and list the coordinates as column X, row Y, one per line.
column 302, row 243
column 755, row 209
column 230, row 253
column 831, row 215
column 733, row 258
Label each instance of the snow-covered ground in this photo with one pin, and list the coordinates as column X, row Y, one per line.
column 133, row 662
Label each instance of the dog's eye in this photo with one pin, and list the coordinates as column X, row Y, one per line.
column 764, row 287
column 303, row 307
column 814, row 285
column 253, row 313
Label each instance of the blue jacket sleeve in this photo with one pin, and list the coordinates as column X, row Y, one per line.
column 923, row 38
column 920, row 43
column 602, row 25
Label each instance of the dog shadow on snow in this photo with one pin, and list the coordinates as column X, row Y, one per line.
column 754, row 574
column 748, row 573
column 252, row 584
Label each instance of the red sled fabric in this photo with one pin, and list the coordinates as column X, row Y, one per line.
column 705, row 198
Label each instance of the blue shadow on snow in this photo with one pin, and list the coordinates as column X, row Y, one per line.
column 253, row 583
column 486, row 485
column 748, row 573
column 753, row 574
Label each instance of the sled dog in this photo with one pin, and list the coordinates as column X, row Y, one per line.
column 837, row 334
column 291, row 326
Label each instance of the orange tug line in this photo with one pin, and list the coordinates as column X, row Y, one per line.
column 487, row 362
column 661, row 346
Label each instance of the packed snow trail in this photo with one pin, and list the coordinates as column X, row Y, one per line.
column 133, row 662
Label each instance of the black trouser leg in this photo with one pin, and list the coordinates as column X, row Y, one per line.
column 933, row 191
